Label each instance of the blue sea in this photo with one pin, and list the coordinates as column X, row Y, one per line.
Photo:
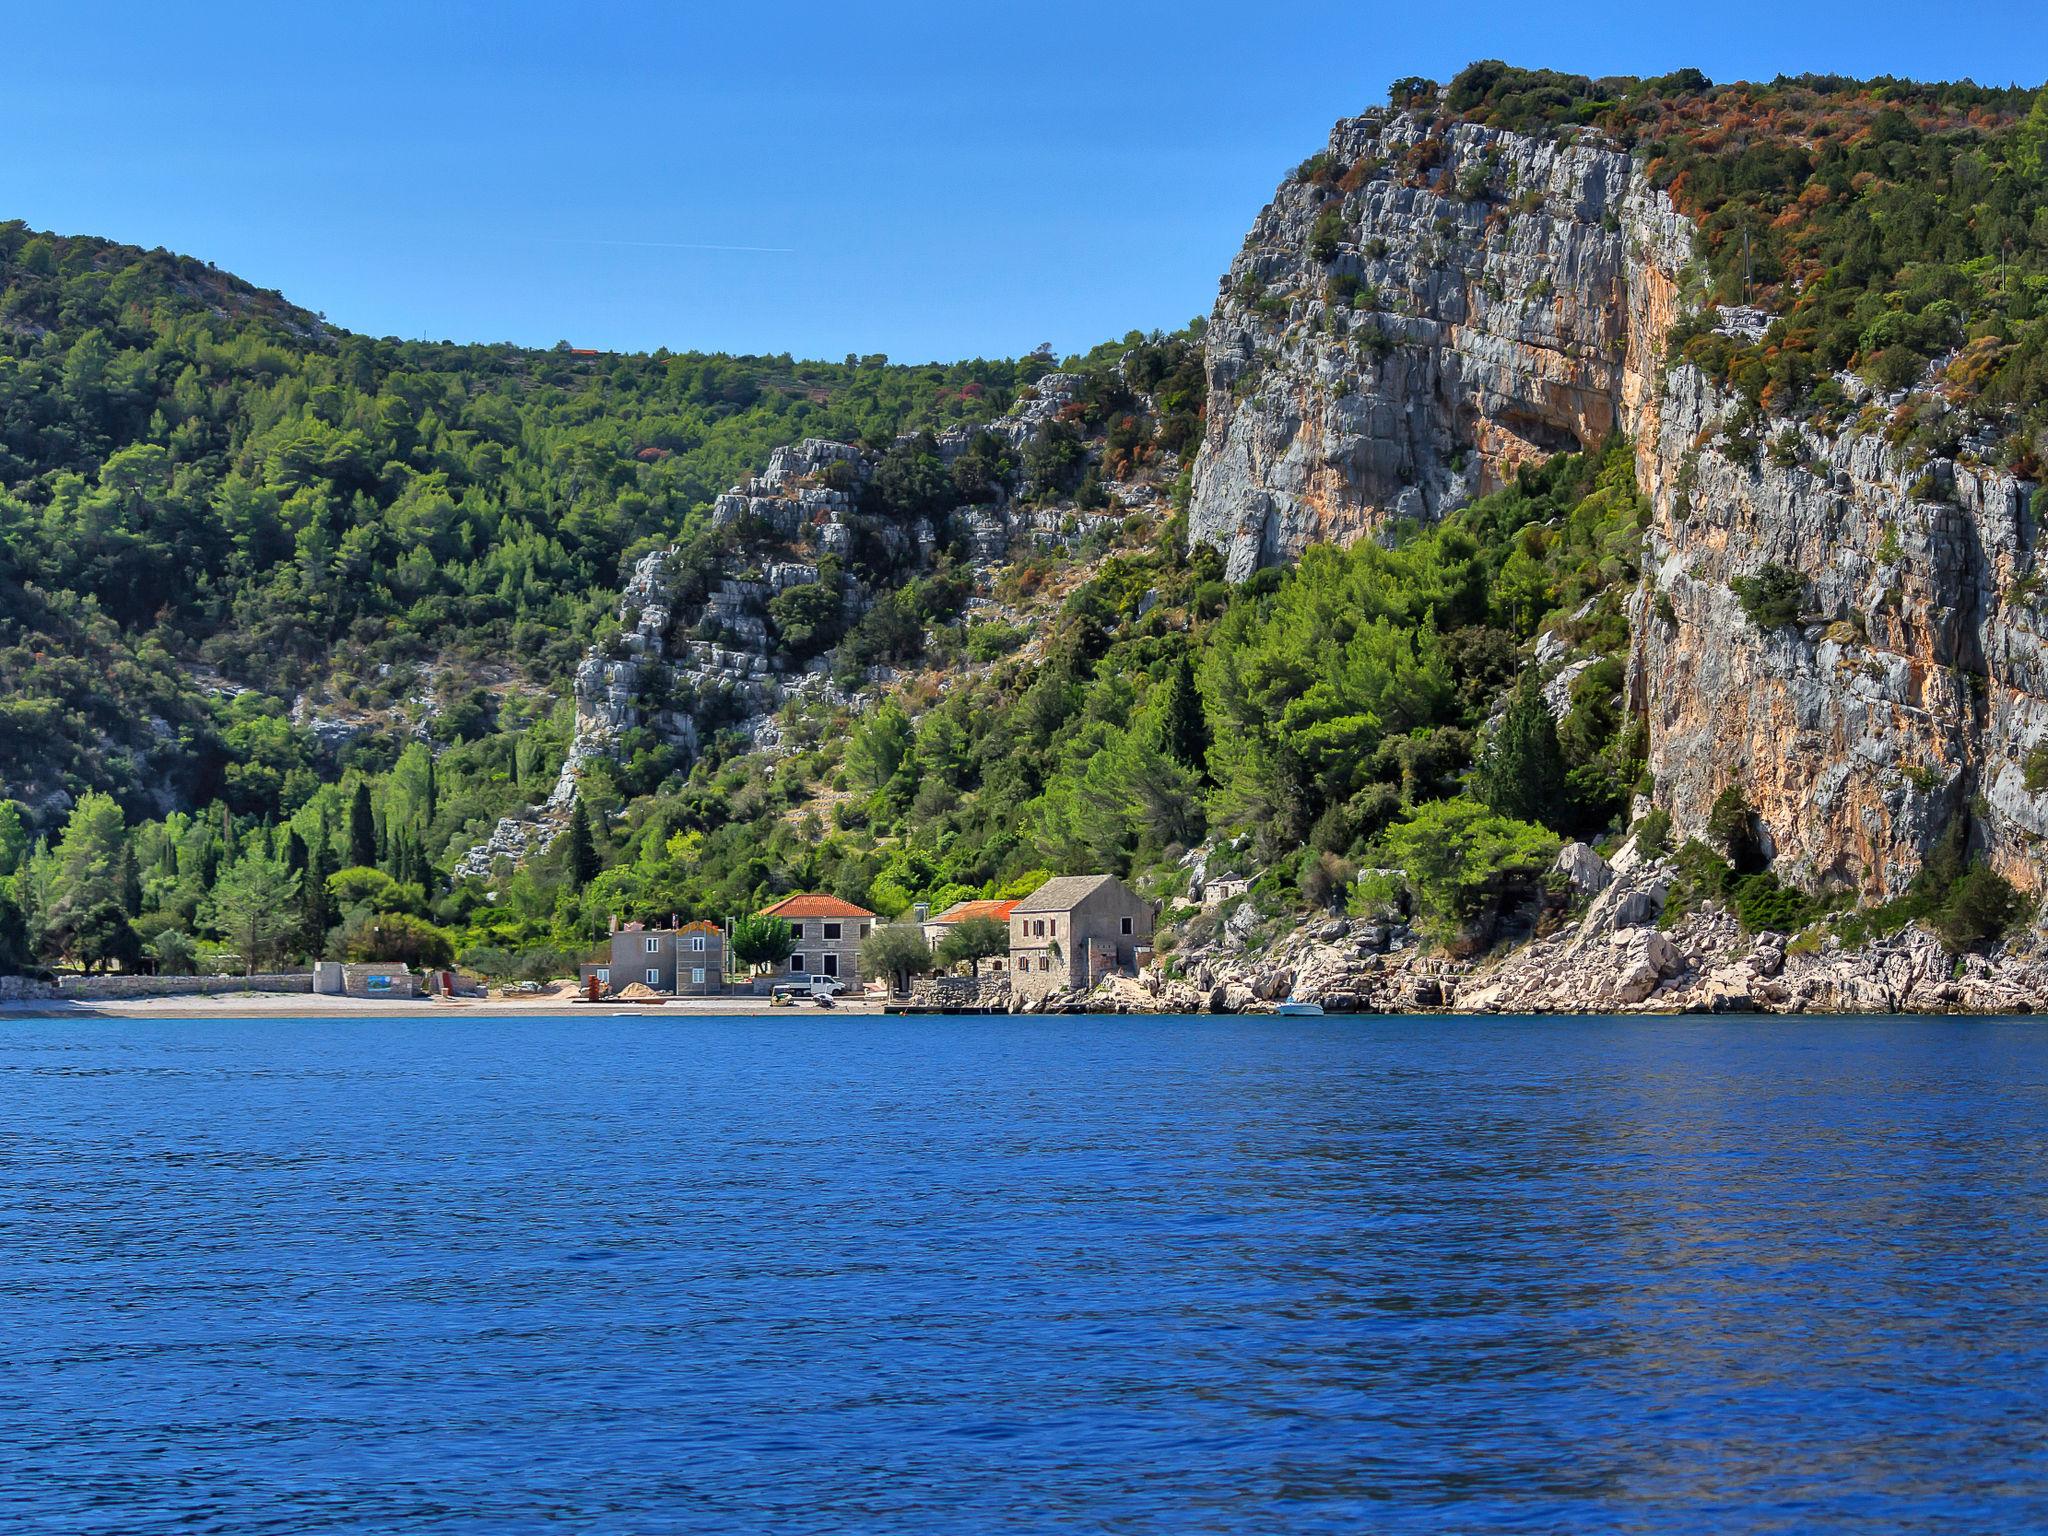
column 841, row 1274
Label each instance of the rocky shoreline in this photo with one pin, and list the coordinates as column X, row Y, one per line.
column 1609, row 957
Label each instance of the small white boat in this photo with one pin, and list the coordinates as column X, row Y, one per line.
column 1294, row 1009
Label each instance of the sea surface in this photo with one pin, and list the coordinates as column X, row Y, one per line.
column 837, row 1274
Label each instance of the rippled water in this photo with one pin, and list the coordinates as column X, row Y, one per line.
column 652, row 1275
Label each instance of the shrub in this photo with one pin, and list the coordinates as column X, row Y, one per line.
column 1317, row 167
column 988, row 641
column 399, row 937
column 1328, row 235
column 1653, row 834
column 1772, row 597
column 1979, row 907
column 2035, row 767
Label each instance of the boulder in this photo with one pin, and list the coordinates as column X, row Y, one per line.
column 1587, row 872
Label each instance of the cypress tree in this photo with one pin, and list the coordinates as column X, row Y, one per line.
column 1521, row 772
column 128, row 878
column 1184, row 729
column 316, row 905
column 362, row 830
column 294, row 852
column 583, row 864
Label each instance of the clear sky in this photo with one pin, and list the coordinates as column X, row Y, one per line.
column 938, row 179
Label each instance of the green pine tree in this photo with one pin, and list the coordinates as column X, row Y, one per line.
column 583, row 865
column 362, row 829
column 1521, row 774
column 1183, row 728
column 316, row 903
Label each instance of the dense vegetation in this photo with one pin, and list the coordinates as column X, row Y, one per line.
column 197, row 478
column 1320, row 721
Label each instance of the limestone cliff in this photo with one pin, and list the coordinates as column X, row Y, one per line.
column 1421, row 309
column 1414, row 315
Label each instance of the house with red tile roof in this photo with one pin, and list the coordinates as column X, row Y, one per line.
column 828, row 934
column 939, row 925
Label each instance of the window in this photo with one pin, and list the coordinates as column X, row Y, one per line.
column 1127, row 925
column 1054, row 928
column 861, row 930
column 796, row 962
column 604, row 974
column 653, row 977
column 796, row 930
column 831, row 965
column 697, row 939
column 831, row 930
column 654, row 946
column 696, row 975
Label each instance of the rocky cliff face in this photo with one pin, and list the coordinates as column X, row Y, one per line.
column 1415, row 316
column 1914, row 682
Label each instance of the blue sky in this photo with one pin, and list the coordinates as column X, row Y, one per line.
column 925, row 180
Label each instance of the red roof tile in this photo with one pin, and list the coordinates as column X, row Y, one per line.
column 960, row 911
column 809, row 904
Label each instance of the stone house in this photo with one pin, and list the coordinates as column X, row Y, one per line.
column 1074, row 930
column 828, row 934
column 937, row 927
column 684, row 962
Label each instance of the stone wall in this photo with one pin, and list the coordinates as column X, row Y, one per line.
column 961, row 992
column 116, row 988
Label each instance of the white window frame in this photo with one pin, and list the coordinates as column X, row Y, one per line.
column 796, row 963
column 832, row 966
column 697, row 943
column 604, row 974
column 831, row 930
column 796, row 931
column 696, row 975
column 654, row 946
column 654, row 978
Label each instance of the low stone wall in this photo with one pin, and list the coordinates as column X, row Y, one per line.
column 117, row 988
column 24, row 989
column 961, row 992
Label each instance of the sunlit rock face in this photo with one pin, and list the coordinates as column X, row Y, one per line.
column 1910, row 689
column 1484, row 318
column 1411, row 322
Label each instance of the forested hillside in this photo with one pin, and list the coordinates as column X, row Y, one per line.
column 201, row 483
column 291, row 615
